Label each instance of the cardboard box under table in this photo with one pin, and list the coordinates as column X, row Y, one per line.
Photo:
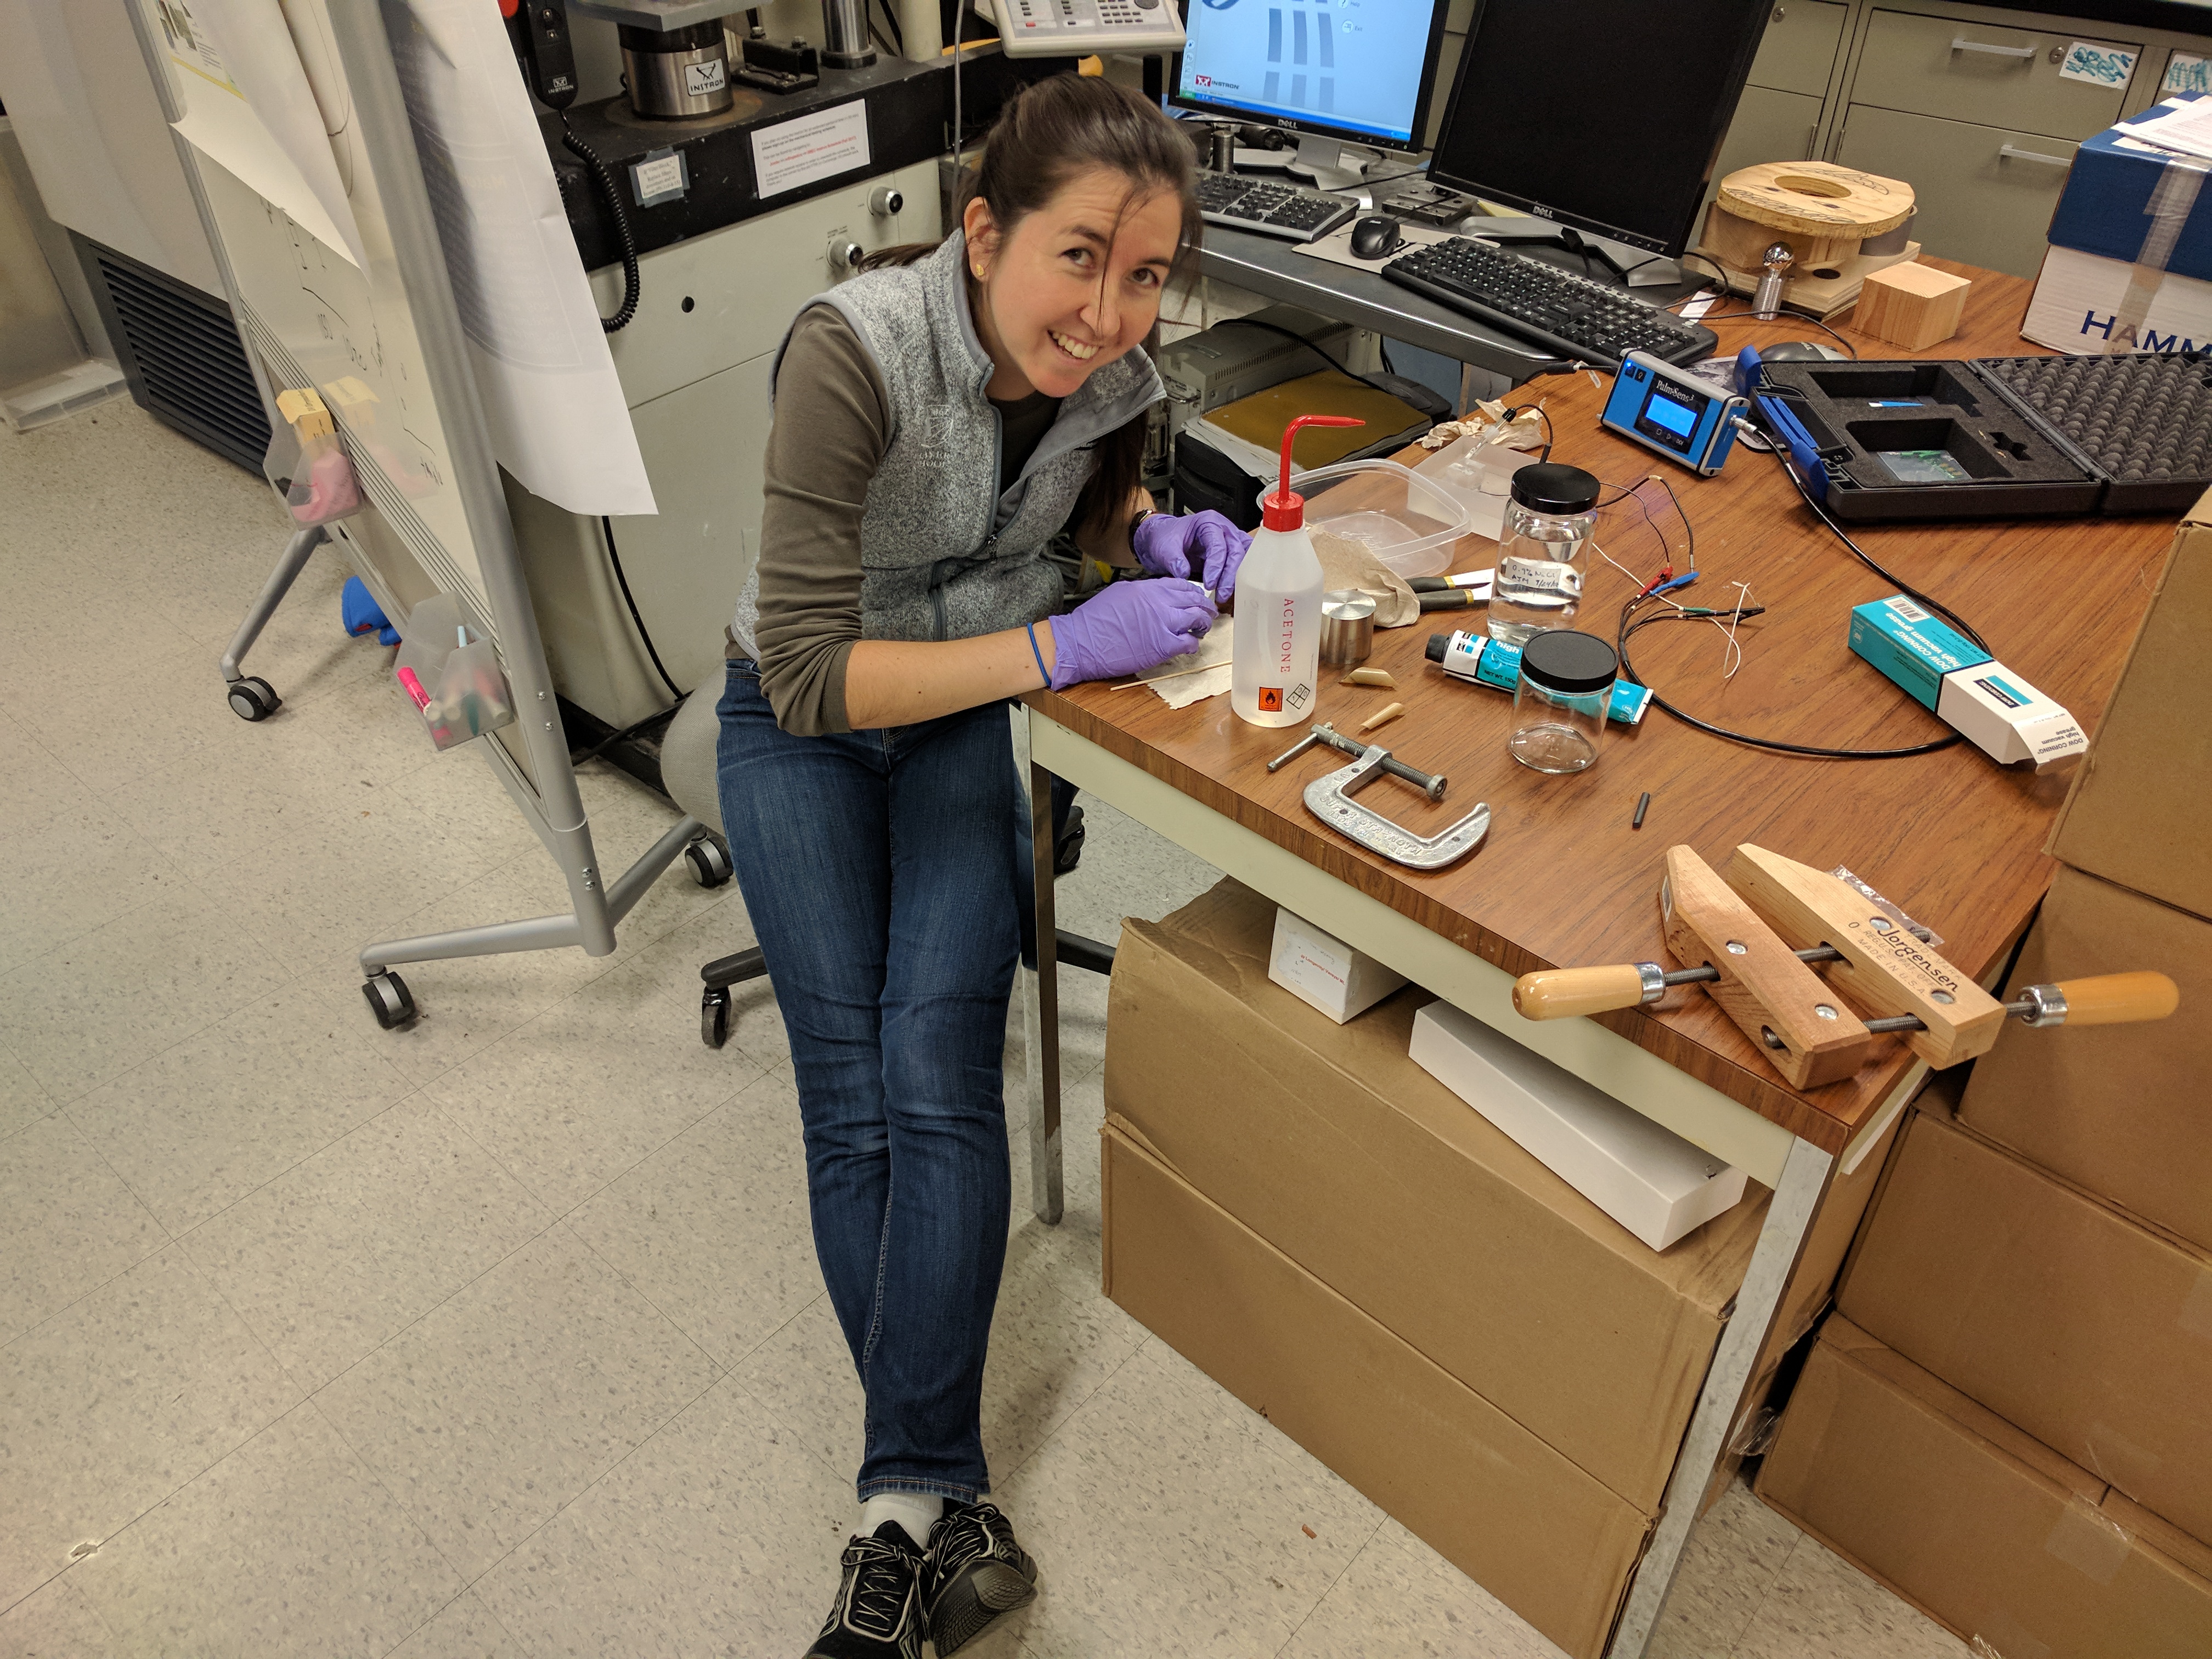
column 2091, row 1334
column 2120, row 1111
column 1334, row 1235
column 2141, row 810
column 1978, row 1524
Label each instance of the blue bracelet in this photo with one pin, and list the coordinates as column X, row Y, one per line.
column 1039, row 656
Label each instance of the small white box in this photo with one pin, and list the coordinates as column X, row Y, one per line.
column 2080, row 306
column 1322, row 969
column 2007, row 718
column 1644, row 1176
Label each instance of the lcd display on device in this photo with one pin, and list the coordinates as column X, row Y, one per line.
column 1605, row 115
column 1669, row 416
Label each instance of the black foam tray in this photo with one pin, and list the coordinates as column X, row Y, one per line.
column 2037, row 436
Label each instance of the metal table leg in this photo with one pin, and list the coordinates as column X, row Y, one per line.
column 1040, row 1013
column 1788, row 1218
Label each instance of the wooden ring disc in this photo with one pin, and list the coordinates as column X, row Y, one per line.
column 1817, row 198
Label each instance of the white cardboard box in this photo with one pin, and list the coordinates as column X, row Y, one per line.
column 1645, row 1177
column 2080, row 306
column 1322, row 969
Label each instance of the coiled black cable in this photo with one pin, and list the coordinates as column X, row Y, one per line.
column 585, row 154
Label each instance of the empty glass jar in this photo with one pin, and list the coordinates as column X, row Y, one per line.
column 1559, row 700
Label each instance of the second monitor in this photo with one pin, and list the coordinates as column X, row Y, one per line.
column 1333, row 71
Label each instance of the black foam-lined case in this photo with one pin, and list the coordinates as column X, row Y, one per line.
column 2006, row 437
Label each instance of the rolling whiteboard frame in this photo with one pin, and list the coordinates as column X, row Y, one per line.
column 546, row 792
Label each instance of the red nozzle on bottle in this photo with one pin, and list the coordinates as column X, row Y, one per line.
column 1283, row 510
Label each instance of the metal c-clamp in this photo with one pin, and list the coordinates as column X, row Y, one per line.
column 1329, row 799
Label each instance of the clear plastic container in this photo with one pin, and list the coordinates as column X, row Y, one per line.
column 1477, row 475
column 1410, row 523
column 1559, row 701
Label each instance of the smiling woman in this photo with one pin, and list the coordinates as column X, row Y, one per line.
column 939, row 419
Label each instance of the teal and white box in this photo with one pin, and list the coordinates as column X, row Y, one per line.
column 1985, row 702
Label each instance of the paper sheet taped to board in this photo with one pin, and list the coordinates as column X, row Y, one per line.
column 558, row 419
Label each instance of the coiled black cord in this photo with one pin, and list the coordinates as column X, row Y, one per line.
column 584, row 153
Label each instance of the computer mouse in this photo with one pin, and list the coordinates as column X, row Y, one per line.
column 1375, row 237
column 1799, row 351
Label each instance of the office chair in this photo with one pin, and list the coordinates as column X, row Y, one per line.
column 687, row 773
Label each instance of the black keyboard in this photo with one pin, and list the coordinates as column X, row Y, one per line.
column 1271, row 206
column 1576, row 317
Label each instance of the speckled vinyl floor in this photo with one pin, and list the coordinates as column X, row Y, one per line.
column 503, row 1334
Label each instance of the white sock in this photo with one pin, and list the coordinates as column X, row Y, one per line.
column 914, row 1512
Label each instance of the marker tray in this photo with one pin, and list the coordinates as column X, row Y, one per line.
column 2006, row 437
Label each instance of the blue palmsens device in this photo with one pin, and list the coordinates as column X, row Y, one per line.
column 1667, row 409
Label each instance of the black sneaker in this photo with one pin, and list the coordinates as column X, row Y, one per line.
column 877, row 1612
column 974, row 1572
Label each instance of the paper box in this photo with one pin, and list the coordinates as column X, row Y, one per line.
column 1523, row 1521
column 1320, row 969
column 1642, row 1174
column 2120, row 1110
column 1985, row 701
column 2089, row 306
column 2140, row 813
column 2091, row 1334
column 1988, row 1532
column 1330, row 1143
column 2125, row 198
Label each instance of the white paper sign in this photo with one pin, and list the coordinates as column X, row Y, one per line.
column 807, row 148
column 2186, row 74
column 2101, row 66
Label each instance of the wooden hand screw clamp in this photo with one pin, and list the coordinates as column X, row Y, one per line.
column 1749, row 941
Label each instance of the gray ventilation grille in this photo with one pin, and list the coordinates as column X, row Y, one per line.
column 180, row 351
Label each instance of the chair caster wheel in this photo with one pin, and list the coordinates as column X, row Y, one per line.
column 710, row 859
column 253, row 699
column 714, row 1016
column 388, row 1000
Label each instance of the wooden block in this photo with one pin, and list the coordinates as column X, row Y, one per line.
column 1885, row 969
column 1913, row 306
column 1762, row 986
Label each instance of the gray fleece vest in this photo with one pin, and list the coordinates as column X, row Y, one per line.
column 944, row 555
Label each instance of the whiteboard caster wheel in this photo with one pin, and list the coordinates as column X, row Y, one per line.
column 710, row 859
column 253, row 699
column 388, row 1000
column 714, row 1016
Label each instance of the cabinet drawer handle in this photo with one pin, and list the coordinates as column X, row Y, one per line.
column 2012, row 154
column 1960, row 43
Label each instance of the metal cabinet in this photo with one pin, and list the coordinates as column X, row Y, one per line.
column 1768, row 126
column 1985, row 193
column 1797, row 54
column 1964, row 70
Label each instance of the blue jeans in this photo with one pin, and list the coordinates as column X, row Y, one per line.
column 880, row 871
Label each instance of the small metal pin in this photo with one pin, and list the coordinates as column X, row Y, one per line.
column 1643, row 806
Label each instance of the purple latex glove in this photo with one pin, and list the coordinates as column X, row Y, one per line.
column 1204, row 546
column 1128, row 627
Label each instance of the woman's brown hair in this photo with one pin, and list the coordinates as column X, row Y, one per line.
column 1047, row 134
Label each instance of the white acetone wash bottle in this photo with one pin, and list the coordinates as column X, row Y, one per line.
column 1276, row 644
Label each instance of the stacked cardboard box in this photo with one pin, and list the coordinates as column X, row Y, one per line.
column 2014, row 1428
column 1329, row 1232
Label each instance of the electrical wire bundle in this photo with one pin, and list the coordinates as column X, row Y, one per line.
column 1637, row 615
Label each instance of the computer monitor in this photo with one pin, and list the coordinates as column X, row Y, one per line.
column 1333, row 71
column 1604, row 115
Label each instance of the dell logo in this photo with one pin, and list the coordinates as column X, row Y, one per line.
column 1542, row 211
